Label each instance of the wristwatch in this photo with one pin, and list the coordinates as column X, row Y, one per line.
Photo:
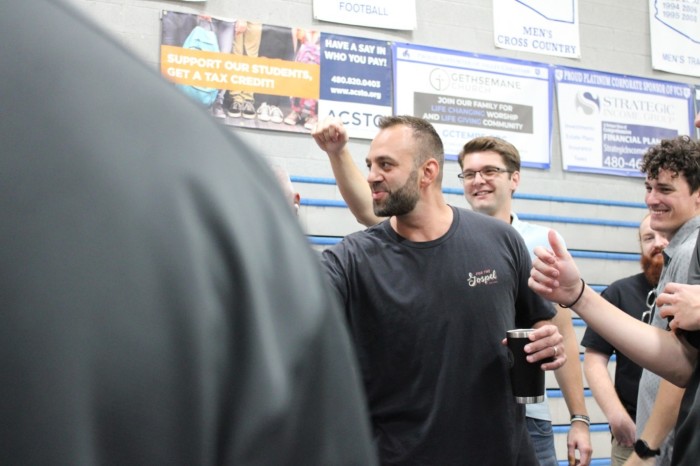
column 641, row 448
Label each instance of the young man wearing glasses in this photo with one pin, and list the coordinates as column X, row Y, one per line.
column 633, row 295
column 673, row 196
column 491, row 173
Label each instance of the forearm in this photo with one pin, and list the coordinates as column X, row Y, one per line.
column 569, row 376
column 353, row 186
column 663, row 415
column 657, row 350
column 595, row 365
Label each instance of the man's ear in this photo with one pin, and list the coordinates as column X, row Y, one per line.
column 514, row 181
column 696, row 194
column 431, row 170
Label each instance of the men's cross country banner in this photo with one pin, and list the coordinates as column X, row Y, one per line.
column 608, row 121
column 466, row 95
column 277, row 78
column 548, row 27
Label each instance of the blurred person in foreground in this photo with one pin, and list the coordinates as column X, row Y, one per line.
column 160, row 304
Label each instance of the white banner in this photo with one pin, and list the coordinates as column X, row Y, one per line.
column 675, row 36
column 548, row 27
column 608, row 121
column 385, row 14
column 466, row 95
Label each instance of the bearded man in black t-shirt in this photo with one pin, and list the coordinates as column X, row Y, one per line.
column 619, row 400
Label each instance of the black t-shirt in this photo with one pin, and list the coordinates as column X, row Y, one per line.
column 427, row 319
column 628, row 294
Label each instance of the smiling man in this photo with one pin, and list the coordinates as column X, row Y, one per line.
column 672, row 183
column 491, row 175
column 428, row 335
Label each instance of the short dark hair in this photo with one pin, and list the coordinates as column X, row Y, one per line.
column 679, row 155
column 430, row 144
column 507, row 151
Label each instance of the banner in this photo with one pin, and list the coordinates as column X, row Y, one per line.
column 248, row 74
column 355, row 82
column 466, row 95
column 385, row 14
column 607, row 121
column 277, row 78
column 547, row 27
column 675, row 36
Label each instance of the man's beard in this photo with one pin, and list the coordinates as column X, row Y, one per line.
column 401, row 201
column 651, row 266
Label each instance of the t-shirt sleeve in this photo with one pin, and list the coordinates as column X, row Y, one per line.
column 594, row 341
column 530, row 307
column 335, row 273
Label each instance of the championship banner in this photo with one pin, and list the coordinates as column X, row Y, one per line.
column 608, row 121
column 675, row 36
column 547, row 27
column 467, row 95
column 385, row 14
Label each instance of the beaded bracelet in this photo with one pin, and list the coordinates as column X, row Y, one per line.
column 583, row 288
column 581, row 418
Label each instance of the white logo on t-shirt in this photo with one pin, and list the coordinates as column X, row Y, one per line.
column 485, row 277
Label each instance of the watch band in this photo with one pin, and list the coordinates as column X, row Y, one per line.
column 642, row 449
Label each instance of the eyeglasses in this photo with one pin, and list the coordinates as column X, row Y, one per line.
column 487, row 173
column 648, row 315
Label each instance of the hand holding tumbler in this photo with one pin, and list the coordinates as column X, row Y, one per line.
column 527, row 379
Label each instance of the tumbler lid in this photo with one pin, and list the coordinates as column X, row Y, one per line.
column 520, row 332
column 529, row 399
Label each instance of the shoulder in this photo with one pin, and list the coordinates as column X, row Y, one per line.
column 476, row 220
column 490, row 234
column 632, row 279
column 634, row 284
column 360, row 240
